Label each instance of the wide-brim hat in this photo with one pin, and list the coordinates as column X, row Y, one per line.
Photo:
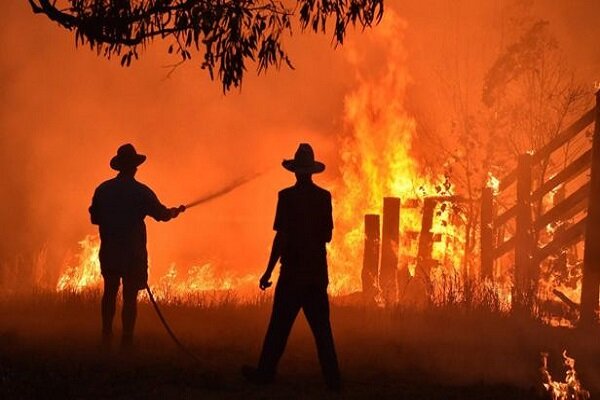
column 126, row 158
column 304, row 161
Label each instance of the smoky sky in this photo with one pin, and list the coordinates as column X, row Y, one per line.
column 64, row 111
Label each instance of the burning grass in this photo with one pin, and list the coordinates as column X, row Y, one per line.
column 49, row 342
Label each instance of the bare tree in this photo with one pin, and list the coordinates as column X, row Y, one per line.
column 226, row 33
column 529, row 94
column 532, row 94
column 532, row 90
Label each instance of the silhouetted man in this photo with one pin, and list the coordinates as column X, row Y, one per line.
column 303, row 225
column 119, row 207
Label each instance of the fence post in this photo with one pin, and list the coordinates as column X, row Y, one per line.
column 561, row 261
column 390, row 240
column 424, row 260
column 370, row 256
column 525, row 241
column 591, row 255
column 487, row 233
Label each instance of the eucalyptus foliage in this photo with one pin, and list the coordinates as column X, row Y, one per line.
column 226, row 34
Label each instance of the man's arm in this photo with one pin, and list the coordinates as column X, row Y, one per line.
column 158, row 211
column 265, row 280
column 328, row 219
column 94, row 210
column 280, row 226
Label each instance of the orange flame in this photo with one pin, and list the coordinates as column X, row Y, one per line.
column 377, row 161
column 200, row 279
column 85, row 274
column 493, row 183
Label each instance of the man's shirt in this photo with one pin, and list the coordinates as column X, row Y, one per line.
column 119, row 207
column 304, row 218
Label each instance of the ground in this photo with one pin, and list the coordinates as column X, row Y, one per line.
column 49, row 348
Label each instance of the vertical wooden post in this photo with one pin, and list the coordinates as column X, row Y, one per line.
column 389, row 249
column 561, row 261
column 591, row 254
column 524, row 239
column 370, row 256
column 426, row 239
column 403, row 275
column 487, row 233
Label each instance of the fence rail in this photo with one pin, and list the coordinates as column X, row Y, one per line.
column 528, row 255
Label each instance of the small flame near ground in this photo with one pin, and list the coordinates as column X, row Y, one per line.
column 86, row 272
column 172, row 286
column 571, row 388
column 201, row 279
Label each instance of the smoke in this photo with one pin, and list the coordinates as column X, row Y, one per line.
column 65, row 112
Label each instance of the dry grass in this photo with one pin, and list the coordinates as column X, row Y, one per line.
column 49, row 347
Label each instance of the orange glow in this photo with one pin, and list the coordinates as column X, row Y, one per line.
column 375, row 156
column 376, row 161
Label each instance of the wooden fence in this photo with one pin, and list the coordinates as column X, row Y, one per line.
column 382, row 270
column 527, row 254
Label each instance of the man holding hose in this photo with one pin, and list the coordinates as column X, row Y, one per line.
column 119, row 207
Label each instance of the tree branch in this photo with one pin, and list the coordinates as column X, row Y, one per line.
column 227, row 33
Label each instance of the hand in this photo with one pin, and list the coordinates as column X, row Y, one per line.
column 265, row 281
column 175, row 211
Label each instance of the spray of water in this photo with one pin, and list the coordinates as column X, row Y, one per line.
column 224, row 190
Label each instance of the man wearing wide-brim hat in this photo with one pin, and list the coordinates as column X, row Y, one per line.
column 303, row 225
column 119, row 207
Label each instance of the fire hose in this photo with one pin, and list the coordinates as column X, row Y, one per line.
column 180, row 345
column 197, row 202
